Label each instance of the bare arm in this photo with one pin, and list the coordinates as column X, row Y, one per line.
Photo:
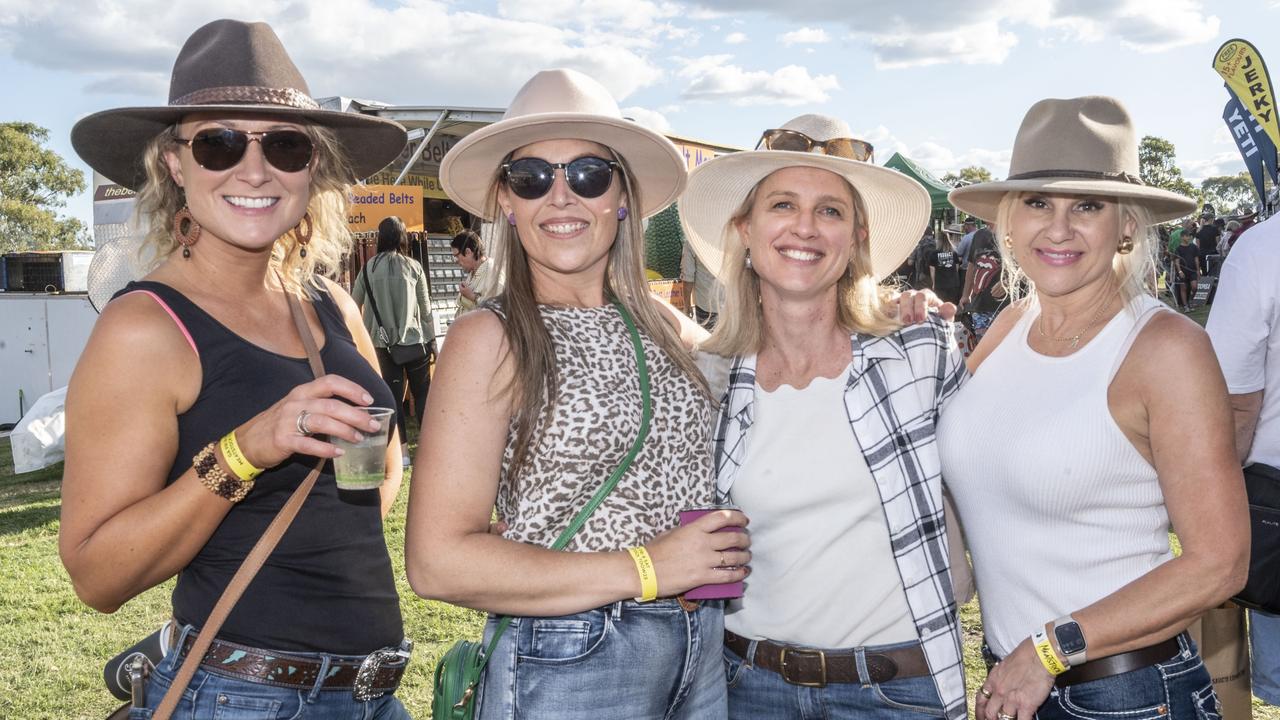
column 1244, row 410
column 449, row 552
column 690, row 332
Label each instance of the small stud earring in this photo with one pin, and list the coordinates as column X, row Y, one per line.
column 1126, row 246
column 511, row 219
column 622, row 213
column 1008, row 242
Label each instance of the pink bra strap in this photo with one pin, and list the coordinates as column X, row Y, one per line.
column 173, row 315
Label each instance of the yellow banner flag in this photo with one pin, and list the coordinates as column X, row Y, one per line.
column 1240, row 64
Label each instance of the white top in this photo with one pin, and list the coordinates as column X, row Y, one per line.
column 1244, row 326
column 1058, row 507
column 818, row 529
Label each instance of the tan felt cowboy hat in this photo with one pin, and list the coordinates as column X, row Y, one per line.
column 1084, row 146
column 229, row 66
column 897, row 206
column 555, row 105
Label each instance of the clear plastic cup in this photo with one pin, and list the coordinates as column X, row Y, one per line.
column 362, row 466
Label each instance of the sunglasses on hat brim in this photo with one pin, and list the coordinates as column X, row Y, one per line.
column 796, row 141
column 531, row 177
column 220, row 149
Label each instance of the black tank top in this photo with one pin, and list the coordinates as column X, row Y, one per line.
column 328, row 586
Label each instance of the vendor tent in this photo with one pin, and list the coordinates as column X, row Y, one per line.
column 937, row 189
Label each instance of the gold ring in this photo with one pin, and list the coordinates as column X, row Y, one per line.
column 301, row 424
column 985, row 692
column 1004, row 716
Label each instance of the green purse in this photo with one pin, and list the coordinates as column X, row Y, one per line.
column 461, row 669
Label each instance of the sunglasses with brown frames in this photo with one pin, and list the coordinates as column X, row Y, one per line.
column 796, row 141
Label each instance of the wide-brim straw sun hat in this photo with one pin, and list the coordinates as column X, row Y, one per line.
column 230, row 67
column 897, row 206
column 563, row 105
column 1076, row 146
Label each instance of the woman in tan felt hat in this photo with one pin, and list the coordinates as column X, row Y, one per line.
column 544, row 384
column 191, row 413
column 826, row 430
column 1084, row 607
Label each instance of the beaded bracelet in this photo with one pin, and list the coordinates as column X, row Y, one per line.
column 216, row 479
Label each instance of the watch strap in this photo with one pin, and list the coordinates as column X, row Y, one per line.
column 1079, row 657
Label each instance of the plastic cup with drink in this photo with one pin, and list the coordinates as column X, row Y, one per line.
column 362, row 466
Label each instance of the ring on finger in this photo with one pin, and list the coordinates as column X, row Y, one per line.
column 985, row 692
column 1005, row 716
column 722, row 560
column 301, row 423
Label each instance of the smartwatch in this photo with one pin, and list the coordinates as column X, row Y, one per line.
column 1070, row 640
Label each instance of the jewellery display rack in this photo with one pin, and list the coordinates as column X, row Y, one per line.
column 444, row 277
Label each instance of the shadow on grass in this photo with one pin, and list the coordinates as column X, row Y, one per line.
column 13, row 522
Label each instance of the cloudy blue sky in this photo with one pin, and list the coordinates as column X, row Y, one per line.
column 944, row 82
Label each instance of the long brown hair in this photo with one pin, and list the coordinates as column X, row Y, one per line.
column 534, row 382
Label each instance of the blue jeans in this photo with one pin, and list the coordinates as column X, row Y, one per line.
column 1178, row 689
column 626, row 661
column 217, row 696
column 1264, row 643
column 758, row 693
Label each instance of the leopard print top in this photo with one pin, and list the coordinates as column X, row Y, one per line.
column 590, row 430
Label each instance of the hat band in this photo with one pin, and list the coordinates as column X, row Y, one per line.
column 248, row 94
column 1081, row 174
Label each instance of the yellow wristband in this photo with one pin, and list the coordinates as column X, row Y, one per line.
column 648, row 577
column 235, row 458
column 1048, row 658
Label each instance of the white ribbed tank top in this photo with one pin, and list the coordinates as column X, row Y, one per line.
column 1058, row 507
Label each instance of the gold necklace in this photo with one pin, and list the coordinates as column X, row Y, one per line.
column 1074, row 339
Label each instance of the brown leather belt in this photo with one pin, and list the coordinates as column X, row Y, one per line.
column 1121, row 663
column 817, row 668
column 382, row 675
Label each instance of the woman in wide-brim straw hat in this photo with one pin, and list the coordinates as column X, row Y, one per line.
column 1099, row 449
column 826, row 430
column 242, row 182
column 536, row 401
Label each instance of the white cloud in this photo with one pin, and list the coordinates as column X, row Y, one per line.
column 934, row 157
column 712, row 78
column 981, row 43
column 804, row 36
column 1227, row 162
column 737, row 38
column 1222, row 136
column 651, row 119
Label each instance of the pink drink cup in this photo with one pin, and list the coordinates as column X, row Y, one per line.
column 714, row 591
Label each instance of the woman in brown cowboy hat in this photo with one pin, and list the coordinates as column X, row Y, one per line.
column 826, row 431
column 544, row 386
column 1084, row 607
column 191, row 413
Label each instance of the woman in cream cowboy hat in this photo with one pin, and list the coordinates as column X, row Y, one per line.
column 825, row 434
column 242, row 179
column 544, row 388
column 1084, row 607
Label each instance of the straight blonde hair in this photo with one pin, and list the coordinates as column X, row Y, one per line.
column 860, row 298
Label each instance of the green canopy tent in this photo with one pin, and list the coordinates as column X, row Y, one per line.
column 937, row 189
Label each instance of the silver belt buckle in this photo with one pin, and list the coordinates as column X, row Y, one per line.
column 362, row 689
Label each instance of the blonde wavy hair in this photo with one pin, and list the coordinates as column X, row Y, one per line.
column 160, row 199
column 861, row 301
column 534, row 382
column 1135, row 271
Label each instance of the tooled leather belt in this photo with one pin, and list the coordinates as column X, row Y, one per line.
column 284, row 670
column 817, row 668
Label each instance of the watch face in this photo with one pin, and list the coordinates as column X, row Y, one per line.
column 1070, row 638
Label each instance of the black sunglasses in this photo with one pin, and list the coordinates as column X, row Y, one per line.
column 219, row 149
column 796, row 141
column 531, row 178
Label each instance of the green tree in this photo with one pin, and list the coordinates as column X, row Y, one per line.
column 1228, row 192
column 34, row 184
column 1158, row 166
column 967, row 176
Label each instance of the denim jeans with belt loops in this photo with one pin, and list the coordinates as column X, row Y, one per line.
column 625, row 661
column 211, row 695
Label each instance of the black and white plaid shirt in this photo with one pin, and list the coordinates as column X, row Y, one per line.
column 895, row 388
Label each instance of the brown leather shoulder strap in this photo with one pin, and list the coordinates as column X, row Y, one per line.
column 258, row 555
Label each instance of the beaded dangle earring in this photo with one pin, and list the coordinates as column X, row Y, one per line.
column 185, row 230
column 303, row 236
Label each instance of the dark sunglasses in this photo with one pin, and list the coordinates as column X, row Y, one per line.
column 219, row 149
column 531, row 178
column 796, row 141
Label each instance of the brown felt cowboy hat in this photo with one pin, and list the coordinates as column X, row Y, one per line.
column 1079, row 146
column 229, row 66
column 563, row 105
column 897, row 206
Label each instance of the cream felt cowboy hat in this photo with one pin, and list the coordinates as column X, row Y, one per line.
column 1084, row 146
column 897, row 206
column 563, row 105
column 228, row 66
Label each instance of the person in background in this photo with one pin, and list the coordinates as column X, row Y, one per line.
column 1084, row 605
column 1188, row 270
column 970, row 228
column 707, row 292
column 395, row 285
column 1207, row 236
column 242, row 180
column 945, row 276
column 1229, row 233
column 1244, row 326
column 468, row 251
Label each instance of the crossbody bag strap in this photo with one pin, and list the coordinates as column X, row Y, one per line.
column 368, row 291
column 646, row 412
column 261, row 550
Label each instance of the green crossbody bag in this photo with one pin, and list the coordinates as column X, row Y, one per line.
column 461, row 669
